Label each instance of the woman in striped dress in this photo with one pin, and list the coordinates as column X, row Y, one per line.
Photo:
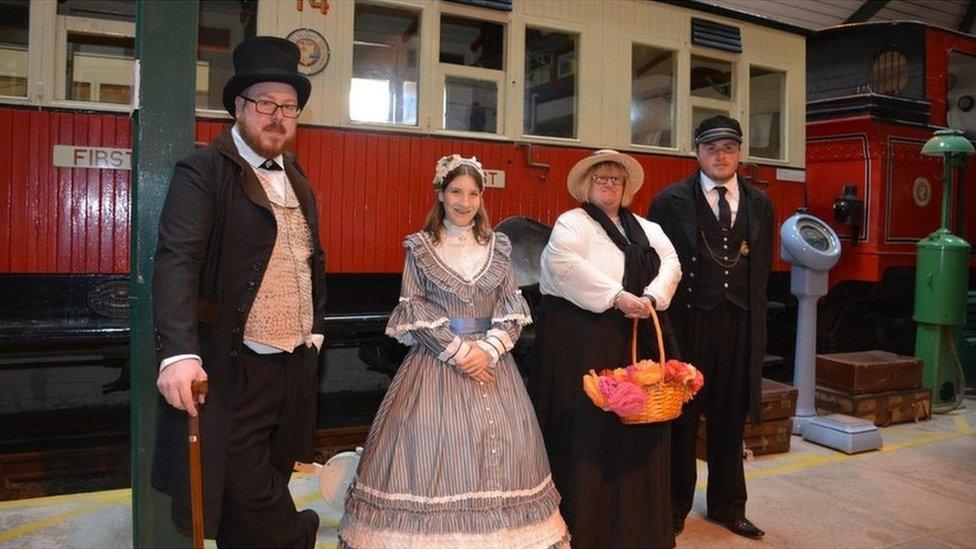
column 455, row 457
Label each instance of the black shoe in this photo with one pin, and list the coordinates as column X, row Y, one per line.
column 679, row 526
column 742, row 527
column 310, row 520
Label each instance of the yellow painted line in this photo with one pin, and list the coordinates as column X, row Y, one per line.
column 31, row 527
column 793, row 463
column 110, row 496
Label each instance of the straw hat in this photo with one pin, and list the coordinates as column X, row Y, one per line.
column 635, row 173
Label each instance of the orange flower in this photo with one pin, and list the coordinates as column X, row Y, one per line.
column 591, row 386
column 646, row 372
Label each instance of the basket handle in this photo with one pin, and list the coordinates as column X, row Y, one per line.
column 660, row 339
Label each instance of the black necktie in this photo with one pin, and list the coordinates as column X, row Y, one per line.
column 271, row 165
column 724, row 210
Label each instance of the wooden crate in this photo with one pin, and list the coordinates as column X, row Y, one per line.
column 768, row 437
column 881, row 408
column 868, row 372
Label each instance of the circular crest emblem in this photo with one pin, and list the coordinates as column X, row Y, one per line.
column 921, row 192
column 314, row 48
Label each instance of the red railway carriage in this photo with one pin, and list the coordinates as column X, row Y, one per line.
column 876, row 92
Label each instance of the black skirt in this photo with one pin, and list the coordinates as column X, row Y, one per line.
column 614, row 478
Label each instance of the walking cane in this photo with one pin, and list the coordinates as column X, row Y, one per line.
column 197, row 388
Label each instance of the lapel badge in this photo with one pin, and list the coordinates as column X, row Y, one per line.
column 744, row 249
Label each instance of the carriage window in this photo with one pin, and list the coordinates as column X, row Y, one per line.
column 471, row 42
column 99, row 42
column 386, row 47
column 223, row 25
column 711, row 78
column 550, row 83
column 889, row 73
column 652, row 96
column 767, row 93
column 14, row 18
column 470, row 105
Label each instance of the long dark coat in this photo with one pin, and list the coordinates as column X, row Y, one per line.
column 676, row 210
column 216, row 234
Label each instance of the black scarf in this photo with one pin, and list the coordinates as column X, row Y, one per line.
column 641, row 262
column 641, row 265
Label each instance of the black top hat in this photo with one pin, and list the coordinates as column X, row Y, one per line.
column 266, row 59
column 718, row 127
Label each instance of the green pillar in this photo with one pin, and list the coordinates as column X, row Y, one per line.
column 166, row 47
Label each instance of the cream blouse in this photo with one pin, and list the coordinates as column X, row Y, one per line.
column 581, row 264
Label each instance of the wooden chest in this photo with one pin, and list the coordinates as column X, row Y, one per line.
column 769, row 437
column 881, row 408
column 868, row 372
column 778, row 400
column 772, row 436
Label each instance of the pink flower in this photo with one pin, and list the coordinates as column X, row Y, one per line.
column 627, row 399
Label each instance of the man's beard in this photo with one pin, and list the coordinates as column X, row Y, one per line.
column 254, row 140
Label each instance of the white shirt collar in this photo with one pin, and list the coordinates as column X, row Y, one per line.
column 248, row 154
column 457, row 231
column 708, row 184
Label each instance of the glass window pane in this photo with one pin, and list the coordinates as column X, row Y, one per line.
column 96, row 63
column 711, row 78
column 766, row 97
column 386, row 47
column 698, row 115
column 14, row 19
column 550, row 83
column 223, row 25
column 470, row 105
column 471, row 42
column 107, row 10
column 652, row 96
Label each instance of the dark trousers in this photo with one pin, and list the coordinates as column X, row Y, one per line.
column 717, row 343
column 258, row 510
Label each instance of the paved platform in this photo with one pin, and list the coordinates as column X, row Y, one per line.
column 918, row 491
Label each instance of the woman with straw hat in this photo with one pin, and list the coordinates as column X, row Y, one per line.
column 603, row 267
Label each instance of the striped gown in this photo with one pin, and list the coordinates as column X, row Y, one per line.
column 449, row 461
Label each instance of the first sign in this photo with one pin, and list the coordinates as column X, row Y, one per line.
column 99, row 158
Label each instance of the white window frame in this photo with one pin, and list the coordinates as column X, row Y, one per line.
column 785, row 121
column 582, row 129
column 627, row 95
column 444, row 70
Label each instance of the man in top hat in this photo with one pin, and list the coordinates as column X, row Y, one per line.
column 722, row 229
column 239, row 298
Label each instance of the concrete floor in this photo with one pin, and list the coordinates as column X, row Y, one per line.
column 919, row 491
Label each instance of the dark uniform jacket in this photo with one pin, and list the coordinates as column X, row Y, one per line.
column 216, row 234
column 675, row 209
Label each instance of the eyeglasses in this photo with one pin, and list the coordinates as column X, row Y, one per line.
column 728, row 148
column 609, row 180
column 264, row 106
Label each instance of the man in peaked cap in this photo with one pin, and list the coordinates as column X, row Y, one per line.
column 722, row 229
column 239, row 299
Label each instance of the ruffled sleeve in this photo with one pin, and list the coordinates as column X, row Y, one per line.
column 416, row 319
column 511, row 313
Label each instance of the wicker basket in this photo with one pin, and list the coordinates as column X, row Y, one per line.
column 664, row 400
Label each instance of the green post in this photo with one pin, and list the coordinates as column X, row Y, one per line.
column 942, row 282
column 164, row 121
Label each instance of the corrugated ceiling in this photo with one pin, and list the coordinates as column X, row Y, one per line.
column 819, row 14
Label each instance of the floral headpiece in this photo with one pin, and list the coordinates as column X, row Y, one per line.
column 448, row 163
